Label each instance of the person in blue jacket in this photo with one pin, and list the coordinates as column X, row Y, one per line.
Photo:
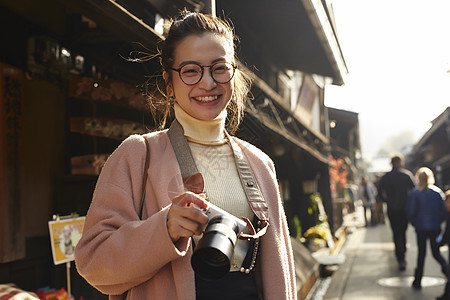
column 426, row 211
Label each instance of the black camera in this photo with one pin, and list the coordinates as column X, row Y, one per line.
column 214, row 251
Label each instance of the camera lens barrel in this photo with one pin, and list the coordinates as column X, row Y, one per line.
column 214, row 252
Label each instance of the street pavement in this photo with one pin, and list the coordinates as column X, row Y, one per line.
column 370, row 270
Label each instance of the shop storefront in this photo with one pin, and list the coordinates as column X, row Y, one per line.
column 70, row 95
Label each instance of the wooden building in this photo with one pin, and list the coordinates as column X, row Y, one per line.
column 345, row 154
column 70, row 95
column 433, row 150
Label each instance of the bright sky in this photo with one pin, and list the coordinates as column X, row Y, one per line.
column 398, row 55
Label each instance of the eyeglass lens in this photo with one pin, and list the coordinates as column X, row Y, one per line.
column 221, row 72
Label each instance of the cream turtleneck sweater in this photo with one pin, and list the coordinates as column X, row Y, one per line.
column 215, row 161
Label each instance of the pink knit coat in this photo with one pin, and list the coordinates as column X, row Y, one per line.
column 119, row 252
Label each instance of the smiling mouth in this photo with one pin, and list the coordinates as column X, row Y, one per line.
column 206, row 99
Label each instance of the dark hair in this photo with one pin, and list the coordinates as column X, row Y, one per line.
column 184, row 25
column 396, row 159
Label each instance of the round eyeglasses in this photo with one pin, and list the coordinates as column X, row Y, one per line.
column 192, row 73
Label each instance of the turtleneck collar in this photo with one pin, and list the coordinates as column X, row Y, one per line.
column 200, row 131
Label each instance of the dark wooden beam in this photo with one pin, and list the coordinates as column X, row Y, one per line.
column 117, row 20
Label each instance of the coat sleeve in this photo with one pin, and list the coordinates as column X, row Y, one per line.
column 443, row 210
column 411, row 208
column 117, row 250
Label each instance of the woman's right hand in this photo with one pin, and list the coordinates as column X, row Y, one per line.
column 184, row 218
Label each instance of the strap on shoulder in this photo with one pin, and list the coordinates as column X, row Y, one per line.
column 251, row 188
column 192, row 178
column 144, row 177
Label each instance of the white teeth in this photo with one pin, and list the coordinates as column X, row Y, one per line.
column 206, row 98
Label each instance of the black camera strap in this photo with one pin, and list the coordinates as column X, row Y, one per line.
column 194, row 182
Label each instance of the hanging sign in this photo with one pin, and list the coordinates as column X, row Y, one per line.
column 65, row 232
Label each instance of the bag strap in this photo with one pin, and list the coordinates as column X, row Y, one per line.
column 144, row 178
column 194, row 182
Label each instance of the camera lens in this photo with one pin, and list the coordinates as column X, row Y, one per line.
column 214, row 252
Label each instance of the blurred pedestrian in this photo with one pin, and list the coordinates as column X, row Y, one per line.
column 446, row 241
column 426, row 211
column 395, row 187
column 379, row 203
column 367, row 195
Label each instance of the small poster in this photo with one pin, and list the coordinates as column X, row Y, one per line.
column 64, row 237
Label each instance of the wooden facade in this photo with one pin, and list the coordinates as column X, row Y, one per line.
column 69, row 96
column 12, row 237
column 433, row 150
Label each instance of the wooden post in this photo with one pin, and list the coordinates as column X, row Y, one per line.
column 12, row 237
column 69, row 286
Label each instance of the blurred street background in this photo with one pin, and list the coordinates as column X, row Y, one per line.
column 338, row 88
column 370, row 270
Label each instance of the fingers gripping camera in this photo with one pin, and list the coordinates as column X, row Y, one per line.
column 214, row 252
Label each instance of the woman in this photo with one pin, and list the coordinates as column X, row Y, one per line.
column 426, row 211
column 119, row 253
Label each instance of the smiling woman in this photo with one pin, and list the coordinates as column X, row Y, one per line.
column 194, row 164
column 204, row 98
column 207, row 32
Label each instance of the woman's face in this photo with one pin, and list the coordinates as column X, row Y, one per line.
column 206, row 99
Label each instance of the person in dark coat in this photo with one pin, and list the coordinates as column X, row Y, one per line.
column 426, row 211
column 395, row 187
